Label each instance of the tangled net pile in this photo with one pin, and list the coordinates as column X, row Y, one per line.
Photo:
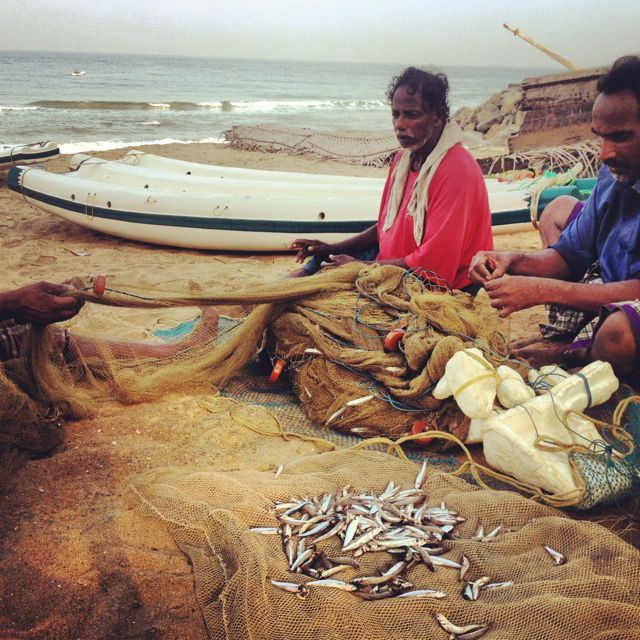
column 329, row 331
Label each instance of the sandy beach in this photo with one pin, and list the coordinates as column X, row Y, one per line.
column 76, row 561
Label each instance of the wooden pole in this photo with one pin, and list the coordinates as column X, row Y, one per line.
column 537, row 45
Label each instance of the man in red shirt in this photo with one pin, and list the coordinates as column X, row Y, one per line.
column 434, row 214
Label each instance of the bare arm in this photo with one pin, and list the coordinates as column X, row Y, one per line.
column 361, row 242
column 488, row 265
column 513, row 293
column 39, row 303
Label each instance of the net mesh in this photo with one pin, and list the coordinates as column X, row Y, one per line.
column 370, row 148
column 210, row 514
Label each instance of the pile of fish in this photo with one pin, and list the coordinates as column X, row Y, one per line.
column 398, row 521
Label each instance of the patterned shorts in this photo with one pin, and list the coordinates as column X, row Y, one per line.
column 10, row 340
column 631, row 309
column 565, row 322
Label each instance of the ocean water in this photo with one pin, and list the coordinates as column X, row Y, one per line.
column 124, row 100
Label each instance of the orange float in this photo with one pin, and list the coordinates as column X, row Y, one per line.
column 99, row 285
column 278, row 368
column 420, row 426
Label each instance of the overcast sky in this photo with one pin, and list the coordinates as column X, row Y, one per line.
column 442, row 32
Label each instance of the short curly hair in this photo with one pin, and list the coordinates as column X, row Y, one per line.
column 624, row 75
column 433, row 88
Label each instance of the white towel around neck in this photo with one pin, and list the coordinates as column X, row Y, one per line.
column 451, row 135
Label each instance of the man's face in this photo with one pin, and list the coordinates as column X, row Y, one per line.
column 615, row 120
column 414, row 127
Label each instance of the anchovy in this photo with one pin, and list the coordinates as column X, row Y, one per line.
column 498, row 585
column 449, row 627
column 421, row 475
column 464, row 567
column 326, row 573
column 445, row 562
column 332, row 532
column 278, row 470
column 344, row 560
column 299, row 589
column 351, row 531
column 265, row 531
column 334, row 584
column 301, row 559
column 492, row 534
column 388, row 575
column 422, row 593
column 371, row 595
column 363, row 539
column 334, row 415
column 321, row 526
column 362, row 400
column 558, row 558
column 471, row 590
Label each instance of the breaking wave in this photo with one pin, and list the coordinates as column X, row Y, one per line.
column 245, row 106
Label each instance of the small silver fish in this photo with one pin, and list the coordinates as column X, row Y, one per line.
column 498, row 585
column 334, row 415
column 278, row 470
column 421, row 475
column 327, row 573
column 464, row 567
column 472, row 589
column 474, row 635
column 299, row 589
column 333, row 584
column 301, row 559
column 445, row 562
column 363, row 539
column 492, row 534
column 362, row 400
column 265, row 531
column 456, row 630
column 422, row 593
column 558, row 558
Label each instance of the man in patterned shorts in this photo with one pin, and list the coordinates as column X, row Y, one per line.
column 606, row 231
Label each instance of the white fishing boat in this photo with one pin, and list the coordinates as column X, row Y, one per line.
column 169, row 202
column 14, row 154
column 77, row 72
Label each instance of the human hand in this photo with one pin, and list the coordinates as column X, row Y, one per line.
column 486, row 265
column 337, row 260
column 513, row 293
column 307, row 248
column 42, row 303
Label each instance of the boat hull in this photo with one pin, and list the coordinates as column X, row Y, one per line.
column 218, row 208
column 22, row 154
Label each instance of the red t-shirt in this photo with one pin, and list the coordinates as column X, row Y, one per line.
column 458, row 222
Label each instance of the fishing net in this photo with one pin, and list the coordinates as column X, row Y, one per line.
column 327, row 336
column 559, row 159
column 589, row 591
column 370, row 148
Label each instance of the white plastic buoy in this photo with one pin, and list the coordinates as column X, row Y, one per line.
column 471, row 380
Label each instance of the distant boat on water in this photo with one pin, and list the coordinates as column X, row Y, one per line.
column 77, row 72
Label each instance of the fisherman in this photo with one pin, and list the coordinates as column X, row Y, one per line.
column 434, row 215
column 606, row 231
